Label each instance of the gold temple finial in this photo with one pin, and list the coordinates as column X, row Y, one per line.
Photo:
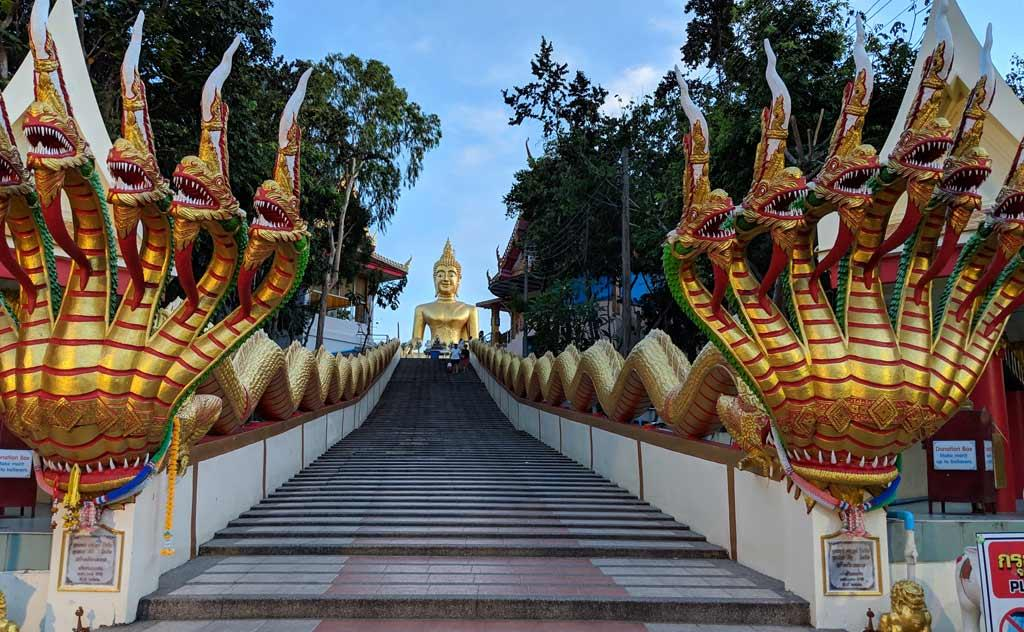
column 448, row 258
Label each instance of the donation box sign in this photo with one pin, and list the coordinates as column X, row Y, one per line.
column 1001, row 557
column 15, row 463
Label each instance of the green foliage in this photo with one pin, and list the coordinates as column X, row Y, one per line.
column 556, row 319
column 1015, row 78
column 369, row 130
column 183, row 42
column 571, row 193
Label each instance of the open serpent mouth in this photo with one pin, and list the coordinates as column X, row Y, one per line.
column 855, row 181
column 189, row 192
column 128, row 177
column 8, row 175
column 48, row 142
column 101, row 470
column 1011, row 208
column 928, row 154
column 965, row 181
column 779, row 206
column 712, row 227
column 270, row 216
column 842, row 462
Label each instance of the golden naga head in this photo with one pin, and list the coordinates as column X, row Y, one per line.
column 135, row 178
column 14, row 178
column 202, row 190
column 277, row 201
column 968, row 164
column 447, row 273
column 1007, row 214
column 844, row 179
column 927, row 136
column 201, row 183
column 769, row 205
column 56, row 143
column 702, row 227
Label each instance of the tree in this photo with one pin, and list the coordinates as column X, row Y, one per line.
column 1015, row 78
column 570, row 194
column 375, row 139
column 183, row 41
column 557, row 317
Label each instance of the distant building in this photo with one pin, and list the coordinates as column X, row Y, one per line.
column 349, row 324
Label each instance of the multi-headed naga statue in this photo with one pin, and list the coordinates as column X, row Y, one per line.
column 103, row 388
column 843, row 388
column 828, row 392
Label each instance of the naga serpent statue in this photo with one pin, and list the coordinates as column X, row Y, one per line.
column 101, row 388
column 827, row 393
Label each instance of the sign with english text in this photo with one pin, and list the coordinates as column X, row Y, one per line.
column 15, row 463
column 955, row 455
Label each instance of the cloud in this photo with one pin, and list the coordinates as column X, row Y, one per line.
column 631, row 85
column 673, row 25
column 424, row 44
column 474, row 155
column 488, row 121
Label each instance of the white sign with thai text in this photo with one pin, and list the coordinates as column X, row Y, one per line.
column 92, row 561
column 851, row 565
column 15, row 463
column 955, row 455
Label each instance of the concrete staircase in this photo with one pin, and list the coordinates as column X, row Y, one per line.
column 438, row 514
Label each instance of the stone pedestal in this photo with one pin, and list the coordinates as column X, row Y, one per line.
column 138, row 528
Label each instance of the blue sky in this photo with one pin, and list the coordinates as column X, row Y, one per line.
column 454, row 58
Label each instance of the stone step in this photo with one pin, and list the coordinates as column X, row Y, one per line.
column 305, row 520
column 438, row 625
column 434, row 516
column 513, row 547
column 600, row 589
column 427, row 501
column 424, row 531
column 427, row 507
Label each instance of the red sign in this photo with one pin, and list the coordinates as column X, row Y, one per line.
column 1001, row 557
column 1006, row 566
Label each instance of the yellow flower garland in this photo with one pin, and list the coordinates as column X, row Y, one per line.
column 172, row 477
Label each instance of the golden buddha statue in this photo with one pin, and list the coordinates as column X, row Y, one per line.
column 449, row 320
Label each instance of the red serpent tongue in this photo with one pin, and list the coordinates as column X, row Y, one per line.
column 946, row 251
column 721, row 281
column 54, row 219
column 130, row 254
column 186, row 277
column 986, row 280
column 843, row 242
column 779, row 260
column 245, row 278
column 28, row 290
column 911, row 218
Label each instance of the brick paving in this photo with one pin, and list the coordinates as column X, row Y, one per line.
column 438, row 510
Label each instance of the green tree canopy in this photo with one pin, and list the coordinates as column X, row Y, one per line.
column 183, row 42
column 570, row 194
column 374, row 139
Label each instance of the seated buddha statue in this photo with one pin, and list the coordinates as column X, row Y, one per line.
column 449, row 320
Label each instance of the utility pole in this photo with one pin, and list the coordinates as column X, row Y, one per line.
column 627, row 268
column 526, row 291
